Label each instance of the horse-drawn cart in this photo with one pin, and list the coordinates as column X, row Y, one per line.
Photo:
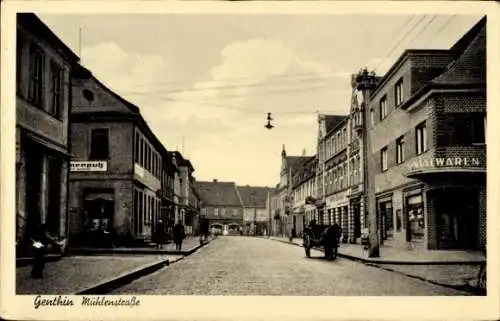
column 326, row 236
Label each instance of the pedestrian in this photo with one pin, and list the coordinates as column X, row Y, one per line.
column 41, row 243
column 179, row 235
column 160, row 235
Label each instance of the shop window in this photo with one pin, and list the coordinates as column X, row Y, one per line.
column 415, row 217
column 421, row 135
column 36, row 85
column 99, row 144
column 478, row 129
column 399, row 92
column 383, row 107
column 400, row 150
column 56, row 77
column 383, row 159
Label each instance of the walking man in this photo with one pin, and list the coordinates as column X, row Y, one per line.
column 179, row 235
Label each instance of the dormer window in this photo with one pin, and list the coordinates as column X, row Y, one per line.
column 399, row 92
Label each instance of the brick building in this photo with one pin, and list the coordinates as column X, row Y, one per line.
column 44, row 64
column 116, row 172
column 221, row 205
column 426, row 151
column 255, row 217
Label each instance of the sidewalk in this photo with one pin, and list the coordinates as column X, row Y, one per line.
column 189, row 245
column 75, row 274
column 98, row 271
column 448, row 268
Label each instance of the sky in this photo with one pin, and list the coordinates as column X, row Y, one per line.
column 205, row 82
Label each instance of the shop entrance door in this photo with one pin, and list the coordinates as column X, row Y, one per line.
column 34, row 159
column 458, row 218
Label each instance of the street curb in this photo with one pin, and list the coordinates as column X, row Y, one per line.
column 464, row 288
column 118, row 251
column 127, row 277
column 371, row 261
column 25, row 261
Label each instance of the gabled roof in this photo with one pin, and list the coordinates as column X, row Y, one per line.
column 470, row 67
column 218, row 193
column 253, row 196
column 332, row 121
column 36, row 26
column 294, row 163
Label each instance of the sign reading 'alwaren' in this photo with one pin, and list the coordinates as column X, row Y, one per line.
column 446, row 162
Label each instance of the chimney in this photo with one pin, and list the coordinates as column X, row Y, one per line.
column 215, row 180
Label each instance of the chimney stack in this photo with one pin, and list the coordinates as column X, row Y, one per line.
column 215, row 180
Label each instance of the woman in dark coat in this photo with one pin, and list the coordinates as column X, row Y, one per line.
column 179, row 235
column 160, row 235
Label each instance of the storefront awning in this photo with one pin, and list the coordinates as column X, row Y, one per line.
column 448, row 175
column 47, row 144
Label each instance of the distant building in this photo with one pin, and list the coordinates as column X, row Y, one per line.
column 188, row 208
column 221, row 205
column 427, row 154
column 43, row 68
column 255, row 217
column 287, row 221
column 304, row 187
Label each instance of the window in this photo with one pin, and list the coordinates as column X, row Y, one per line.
column 383, row 158
column 372, row 118
column 99, row 144
column 421, row 138
column 399, row 92
column 222, row 211
column 383, row 108
column 56, row 77
column 478, row 124
column 216, row 211
column 137, row 142
column 400, row 150
column 35, row 94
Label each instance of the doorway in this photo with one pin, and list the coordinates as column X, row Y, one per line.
column 457, row 211
column 34, row 169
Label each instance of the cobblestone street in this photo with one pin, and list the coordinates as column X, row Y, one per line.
column 258, row 266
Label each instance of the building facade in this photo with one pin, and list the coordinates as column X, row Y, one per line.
column 116, row 172
column 427, row 147
column 288, row 221
column 221, row 205
column 44, row 65
column 304, row 187
column 255, row 217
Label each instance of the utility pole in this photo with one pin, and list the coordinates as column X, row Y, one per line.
column 366, row 82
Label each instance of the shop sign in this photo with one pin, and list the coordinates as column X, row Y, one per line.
column 446, row 162
column 88, row 166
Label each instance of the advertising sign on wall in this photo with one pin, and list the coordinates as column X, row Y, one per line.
column 88, row 166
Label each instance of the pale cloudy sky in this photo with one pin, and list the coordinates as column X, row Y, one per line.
column 210, row 79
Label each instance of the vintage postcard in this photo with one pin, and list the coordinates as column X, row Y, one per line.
column 249, row 160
